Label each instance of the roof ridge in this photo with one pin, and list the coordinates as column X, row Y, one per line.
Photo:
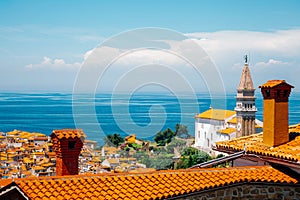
column 180, row 171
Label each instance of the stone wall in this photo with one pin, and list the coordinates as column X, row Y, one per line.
column 249, row 191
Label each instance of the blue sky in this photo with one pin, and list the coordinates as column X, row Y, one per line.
column 44, row 43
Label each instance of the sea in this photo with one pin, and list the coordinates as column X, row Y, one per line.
column 143, row 114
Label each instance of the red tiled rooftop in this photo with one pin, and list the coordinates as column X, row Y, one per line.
column 155, row 185
column 68, row 133
column 254, row 144
column 272, row 83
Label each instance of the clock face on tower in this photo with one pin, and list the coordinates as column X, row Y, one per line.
column 239, row 126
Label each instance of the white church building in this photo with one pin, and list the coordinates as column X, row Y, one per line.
column 214, row 125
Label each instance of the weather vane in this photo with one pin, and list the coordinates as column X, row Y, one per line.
column 246, row 59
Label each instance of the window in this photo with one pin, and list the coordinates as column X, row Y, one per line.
column 278, row 93
column 268, row 93
column 71, row 144
column 207, row 142
column 285, row 93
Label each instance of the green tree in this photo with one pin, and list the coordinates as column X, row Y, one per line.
column 181, row 131
column 175, row 143
column 142, row 157
column 160, row 162
column 114, row 139
column 191, row 156
column 165, row 137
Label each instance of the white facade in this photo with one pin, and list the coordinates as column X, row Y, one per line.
column 207, row 132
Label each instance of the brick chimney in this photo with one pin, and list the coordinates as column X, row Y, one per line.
column 67, row 144
column 276, row 112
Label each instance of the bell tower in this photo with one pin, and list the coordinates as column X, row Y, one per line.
column 245, row 104
column 276, row 112
column 67, row 144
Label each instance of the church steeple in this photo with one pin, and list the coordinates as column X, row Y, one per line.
column 245, row 103
column 246, row 80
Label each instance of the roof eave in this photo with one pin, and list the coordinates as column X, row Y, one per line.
column 289, row 163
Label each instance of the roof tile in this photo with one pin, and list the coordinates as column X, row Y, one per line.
column 173, row 182
column 68, row 133
column 216, row 114
column 254, row 144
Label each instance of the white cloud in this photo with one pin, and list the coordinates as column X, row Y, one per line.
column 225, row 45
column 271, row 53
column 147, row 56
column 272, row 62
column 56, row 64
column 87, row 54
column 225, row 48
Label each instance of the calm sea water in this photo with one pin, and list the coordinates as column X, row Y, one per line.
column 142, row 114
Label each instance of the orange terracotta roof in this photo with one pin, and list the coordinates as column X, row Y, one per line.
column 294, row 129
column 41, row 138
column 68, row 133
column 48, row 165
column 3, row 158
column 258, row 126
column 216, row 114
column 294, row 125
column 28, row 160
column 152, row 185
column 254, row 144
column 23, row 167
column 38, row 153
column 130, row 139
column 227, row 131
column 4, row 182
column 51, row 154
column 90, row 141
column 273, row 83
column 14, row 132
column 233, row 120
column 39, row 134
column 38, row 168
column 113, row 161
column 110, row 150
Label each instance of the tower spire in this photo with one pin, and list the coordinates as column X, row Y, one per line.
column 246, row 80
column 245, row 103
